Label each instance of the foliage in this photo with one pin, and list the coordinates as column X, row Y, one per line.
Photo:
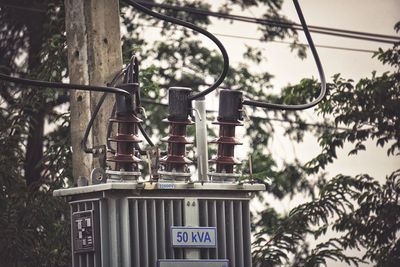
column 364, row 214
column 32, row 221
column 34, row 162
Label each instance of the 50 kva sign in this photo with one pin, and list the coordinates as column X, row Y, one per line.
column 198, row 237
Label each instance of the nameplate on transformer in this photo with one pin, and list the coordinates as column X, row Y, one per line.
column 193, row 263
column 194, row 237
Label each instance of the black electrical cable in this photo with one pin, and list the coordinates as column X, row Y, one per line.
column 276, row 41
column 284, row 42
column 145, row 135
column 94, row 114
column 244, row 19
column 67, row 86
column 131, row 76
column 374, row 37
column 134, row 76
column 127, row 72
column 109, row 130
column 322, row 93
column 135, row 79
column 90, row 124
column 197, row 29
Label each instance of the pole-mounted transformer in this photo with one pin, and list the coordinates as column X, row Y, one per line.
column 172, row 218
column 178, row 220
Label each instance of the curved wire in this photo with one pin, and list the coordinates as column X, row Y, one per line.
column 132, row 75
column 322, row 93
column 95, row 112
column 134, row 72
column 68, row 86
column 197, row 29
column 145, row 135
column 109, row 130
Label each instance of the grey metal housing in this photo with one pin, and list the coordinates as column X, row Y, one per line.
column 131, row 227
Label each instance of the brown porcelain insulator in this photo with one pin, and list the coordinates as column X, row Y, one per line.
column 229, row 114
column 179, row 109
column 225, row 160
column 126, row 137
column 176, row 155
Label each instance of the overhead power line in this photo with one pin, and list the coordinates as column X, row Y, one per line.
column 374, row 37
column 31, row 9
column 317, row 125
column 276, row 41
column 284, row 42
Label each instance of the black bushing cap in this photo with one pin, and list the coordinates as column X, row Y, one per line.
column 230, row 105
column 126, row 104
column 179, row 105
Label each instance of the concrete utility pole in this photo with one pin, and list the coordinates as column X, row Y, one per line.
column 94, row 57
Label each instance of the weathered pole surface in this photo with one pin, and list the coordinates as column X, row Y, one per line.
column 94, row 57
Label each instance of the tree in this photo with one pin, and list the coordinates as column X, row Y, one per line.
column 363, row 213
column 33, row 163
column 33, row 224
column 36, row 223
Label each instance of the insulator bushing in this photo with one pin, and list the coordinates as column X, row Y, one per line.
column 127, row 134
column 230, row 106
column 179, row 108
column 229, row 116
